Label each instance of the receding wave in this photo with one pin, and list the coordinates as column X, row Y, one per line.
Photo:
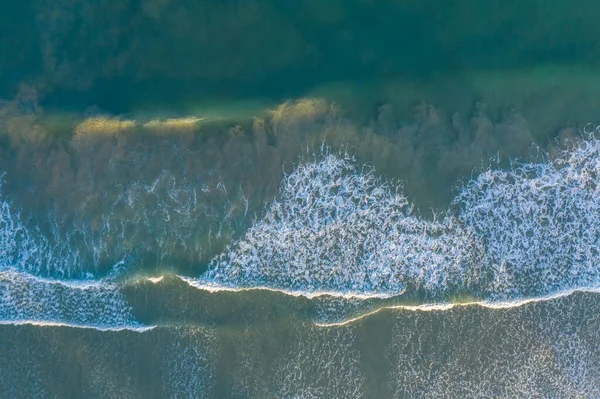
column 530, row 230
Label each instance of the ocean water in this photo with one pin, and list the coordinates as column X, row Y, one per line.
column 265, row 200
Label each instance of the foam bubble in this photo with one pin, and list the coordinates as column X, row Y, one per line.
column 166, row 219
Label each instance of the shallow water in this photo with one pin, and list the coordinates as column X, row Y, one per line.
column 264, row 200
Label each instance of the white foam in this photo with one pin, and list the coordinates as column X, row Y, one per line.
column 214, row 287
column 26, row 299
column 539, row 222
column 29, row 251
column 323, row 365
column 39, row 323
column 155, row 280
column 547, row 351
column 338, row 229
column 29, row 296
column 445, row 306
column 532, row 230
column 168, row 216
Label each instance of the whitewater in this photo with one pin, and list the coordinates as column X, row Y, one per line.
column 337, row 230
column 530, row 230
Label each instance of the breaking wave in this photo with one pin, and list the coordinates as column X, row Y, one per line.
column 339, row 231
column 533, row 229
column 338, row 228
column 26, row 297
column 539, row 222
column 30, row 251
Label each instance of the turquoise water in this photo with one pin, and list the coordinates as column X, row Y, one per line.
column 266, row 200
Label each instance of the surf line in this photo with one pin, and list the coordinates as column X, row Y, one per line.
column 38, row 323
column 213, row 288
column 516, row 303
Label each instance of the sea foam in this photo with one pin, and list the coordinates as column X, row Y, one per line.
column 26, row 299
column 29, row 296
column 532, row 229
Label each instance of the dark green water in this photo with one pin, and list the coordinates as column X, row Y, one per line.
column 273, row 199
